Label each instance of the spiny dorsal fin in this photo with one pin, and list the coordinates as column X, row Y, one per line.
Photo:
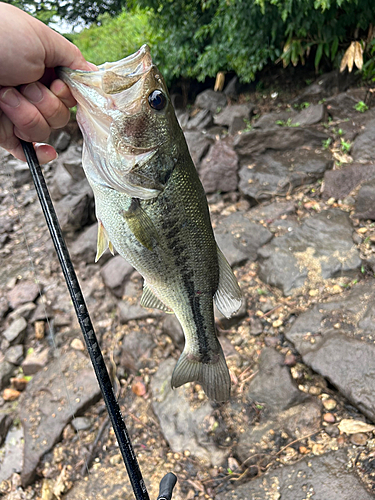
column 140, row 224
column 228, row 296
column 103, row 242
column 149, row 299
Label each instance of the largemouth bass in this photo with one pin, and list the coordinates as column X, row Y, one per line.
column 152, row 208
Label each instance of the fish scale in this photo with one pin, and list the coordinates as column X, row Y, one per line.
column 152, row 208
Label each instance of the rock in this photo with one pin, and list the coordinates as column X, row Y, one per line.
column 218, row 170
column 320, row 248
column 309, row 116
column 327, row 476
column 6, row 372
column 365, row 204
column 83, row 248
column 11, row 455
column 232, row 88
column 62, row 141
column 24, row 291
column 198, row 145
column 228, row 116
column 172, row 328
column 42, row 421
column 139, row 347
column 72, row 161
column 275, row 119
column 21, row 172
column 14, row 354
column 115, row 273
column 363, row 148
column 128, row 311
column 5, row 423
column 81, row 424
column 339, row 183
column 183, row 427
column 24, row 311
column 239, row 238
column 61, row 183
column 342, row 106
column 15, row 332
column 35, row 361
column 74, row 211
column 200, row 121
column 4, row 306
column 211, row 100
column 268, row 174
column 344, row 355
column 273, row 384
column 271, row 212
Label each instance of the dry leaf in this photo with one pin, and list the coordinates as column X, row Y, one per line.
column 219, row 82
column 350, row 426
column 348, row 59
column 11, row 394
column 139, row 388
column 358, row 55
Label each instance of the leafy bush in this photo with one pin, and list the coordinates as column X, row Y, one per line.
column 115, row 37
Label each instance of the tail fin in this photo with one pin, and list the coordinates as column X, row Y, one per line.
column 213, row 377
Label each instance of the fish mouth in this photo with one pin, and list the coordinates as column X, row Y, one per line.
column 113, row 87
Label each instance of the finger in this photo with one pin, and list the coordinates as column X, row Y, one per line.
column 53, row 110
column 61, row 90
column 29, row 124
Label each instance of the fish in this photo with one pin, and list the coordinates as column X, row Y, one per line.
column 152, row 209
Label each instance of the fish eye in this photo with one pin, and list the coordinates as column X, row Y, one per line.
column 157, row 100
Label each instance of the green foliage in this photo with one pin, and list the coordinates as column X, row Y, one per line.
column 361, row 107
column 44, row 11
column 116, row 37
column 345, row 145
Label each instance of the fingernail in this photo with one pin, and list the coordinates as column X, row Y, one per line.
column 33, row 92
column 10, row 98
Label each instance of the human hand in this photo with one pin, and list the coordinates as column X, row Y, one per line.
column 29, row 52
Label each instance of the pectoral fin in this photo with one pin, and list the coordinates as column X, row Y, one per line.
column 149, row 299
column 140, row 224
column 228, row 296
column 103, row 242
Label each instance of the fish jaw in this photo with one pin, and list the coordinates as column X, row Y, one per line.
column 121, row 130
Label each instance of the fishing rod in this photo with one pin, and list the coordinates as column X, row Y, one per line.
column 139, row 488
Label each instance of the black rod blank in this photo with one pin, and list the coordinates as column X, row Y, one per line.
column 87, row 328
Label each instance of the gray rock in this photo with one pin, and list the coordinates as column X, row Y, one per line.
column 14, row 354
column 198, row 145
column 81, row 424
column 209, row 99
column 270, row 174
column 15, row 332
column 271, row 212
column 72, row 161
column 24, row 291
column 230, row 113
column 273, row 384
column 344, row 355
column 232, row 88
column 183, row 427
column 172, row 328
column 21, row 172
column 309, row 116
column 6, row 372
column 322, row 245
column 35, row 361
column 129, row 310
column 5, row 423
column 138, row 347
column 339, row 183
column 4, row 306
column 61, row 183
column 365, row 204
column 363, row 148
column 74, row 211
column 62, row 141
column 11, row 457
column 83, row 248
column 42, row 422
column 218, row 170
column 200, row 120
column 330, row 476
column 274, row 120
column 239, row 238
column 115, row 273
column 24, row 311
column 341, row 106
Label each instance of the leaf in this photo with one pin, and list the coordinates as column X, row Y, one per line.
column 350, row 426
column 318, row 55
column 139, row 388
column 334, row 47
column 348, row 59
column 358, row 55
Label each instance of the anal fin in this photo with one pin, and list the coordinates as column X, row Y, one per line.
column 149, row 299
column 103, row 242
column 228, row 296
